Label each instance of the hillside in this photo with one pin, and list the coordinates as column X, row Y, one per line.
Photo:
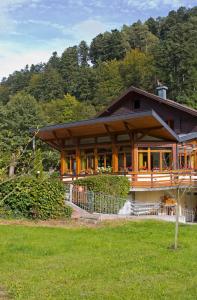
column 161, row 49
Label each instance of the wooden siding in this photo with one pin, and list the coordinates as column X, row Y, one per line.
column 183, row 121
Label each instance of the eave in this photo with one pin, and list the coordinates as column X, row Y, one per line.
column 142, row 122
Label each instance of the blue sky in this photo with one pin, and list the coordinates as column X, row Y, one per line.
column 30, row 30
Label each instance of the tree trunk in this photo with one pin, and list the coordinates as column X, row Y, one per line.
column 12, row 166
column 177, row 220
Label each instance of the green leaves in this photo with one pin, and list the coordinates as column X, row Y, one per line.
column 37, row 198
column 107, row 184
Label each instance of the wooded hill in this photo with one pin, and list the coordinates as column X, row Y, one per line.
column 85, row 78
column 162, row 48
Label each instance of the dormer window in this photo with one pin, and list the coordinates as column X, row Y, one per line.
column 136, row 104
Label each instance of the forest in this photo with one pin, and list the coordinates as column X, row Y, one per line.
column 84, row 78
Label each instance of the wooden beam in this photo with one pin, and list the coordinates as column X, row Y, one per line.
column 78, row 159
column 145, row 131
column 141, row 137
column 63, row 143
column 149, row 159
column 128, row 130
column 174, row 156
column 107, row 128
column 53, row 145
column 128, row 126
column 134, row 152
column 160, row 161
column 95, row 159
column 69, row 133
column 63, row 166
column 59, row 140
column 114, row 155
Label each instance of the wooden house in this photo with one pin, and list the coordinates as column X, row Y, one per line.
column 148, row 138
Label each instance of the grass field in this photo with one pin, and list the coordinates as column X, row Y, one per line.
column 115, row 261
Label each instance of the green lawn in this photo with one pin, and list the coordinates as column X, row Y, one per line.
column 124, row 261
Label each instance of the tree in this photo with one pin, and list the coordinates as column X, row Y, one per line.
column 85, row 83
column 46, row 86
column 19, row 80
column 138, row 69
column 38, row 166
column 4, row 94
column 21, row 113
column 69, row 67
column 66, row 110
column 83, row 54
column 138, row 36
column 109, row 82
column 108, row 46
column 153, row 26
column 54, row 61
column 176, row 59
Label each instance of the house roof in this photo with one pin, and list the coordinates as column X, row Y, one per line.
column 151, row 96
column 148, row 121
column 187, row 137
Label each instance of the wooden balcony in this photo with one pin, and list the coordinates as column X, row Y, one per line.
column 150, row 180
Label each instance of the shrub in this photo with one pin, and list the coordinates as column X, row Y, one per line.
column 109, row 195
column 36, row 198
column 107, row 184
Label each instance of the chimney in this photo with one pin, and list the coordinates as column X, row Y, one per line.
column 161, row 91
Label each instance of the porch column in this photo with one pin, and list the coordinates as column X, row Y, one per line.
column 185, row 157
column 114, row 156
column 174, row 156
column 149, row 160
column 95, row 159
column 134, row 153
column 63, row 165
column 78, row 159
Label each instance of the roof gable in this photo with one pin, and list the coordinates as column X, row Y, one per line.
column 168, row 102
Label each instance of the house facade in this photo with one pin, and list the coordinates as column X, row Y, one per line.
column 146, row 137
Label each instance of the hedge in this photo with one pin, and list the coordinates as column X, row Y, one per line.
column 35, row 198
column 108, row 184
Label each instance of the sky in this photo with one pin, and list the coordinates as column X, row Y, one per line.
column 30, row 30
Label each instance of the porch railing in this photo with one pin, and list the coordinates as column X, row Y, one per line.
column 154, row 179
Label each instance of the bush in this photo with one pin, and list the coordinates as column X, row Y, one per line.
column 35, row 198
column 107, row 184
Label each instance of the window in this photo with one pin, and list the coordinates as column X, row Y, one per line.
column 143, row 161
column 166, row 160
column 136, row 104
column 155, row 161
column 154, row 158
column 124, row 159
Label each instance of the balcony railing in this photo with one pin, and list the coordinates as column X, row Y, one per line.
column 154, row 179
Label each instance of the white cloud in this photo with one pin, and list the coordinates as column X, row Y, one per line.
column 90, row 28
column 6, row 6
column 14, row 56
column 17, row 60
column 155, row 4
column 83, row 30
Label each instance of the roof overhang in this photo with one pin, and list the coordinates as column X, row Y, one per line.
column 143, row 122
column 188, row 137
